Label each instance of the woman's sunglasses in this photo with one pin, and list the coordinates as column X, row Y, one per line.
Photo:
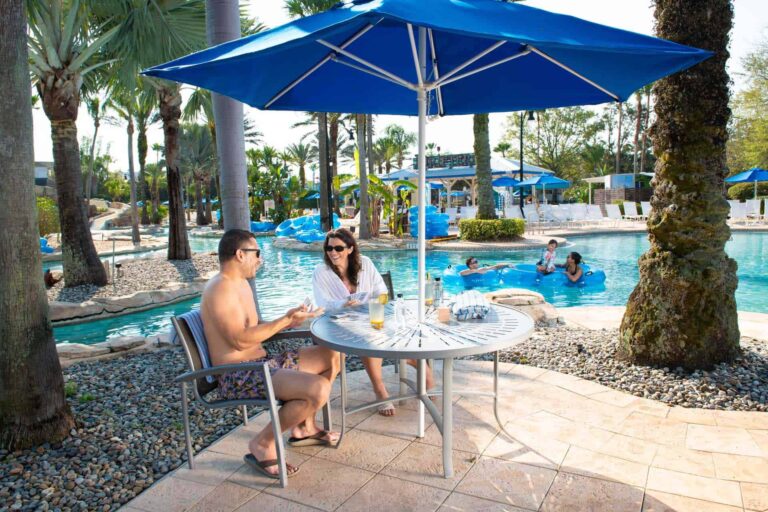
column 337, row 248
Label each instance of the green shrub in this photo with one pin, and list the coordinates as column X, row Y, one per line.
column 47, row 216
column 497, row 229
column 744, row 191
column 70, row 389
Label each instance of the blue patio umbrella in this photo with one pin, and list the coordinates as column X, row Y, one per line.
column 436, row 186
column 458, row 57
column 542, row 182
column 505, row 181
column 314, row 195
column 753, row 175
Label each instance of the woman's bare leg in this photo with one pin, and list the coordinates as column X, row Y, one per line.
column 373, row 368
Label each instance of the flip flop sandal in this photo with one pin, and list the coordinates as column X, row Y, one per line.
column 316, row 439
column 261, row 466
column 383, row 408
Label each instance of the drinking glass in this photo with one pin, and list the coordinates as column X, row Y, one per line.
column 429, row 293
column 376, row 313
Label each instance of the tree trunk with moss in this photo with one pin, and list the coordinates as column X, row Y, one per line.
column 485, row 207
column 33, row 409
column 142, row 147
column 683, row 310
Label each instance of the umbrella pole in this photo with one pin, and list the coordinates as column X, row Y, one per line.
column 755, row 189
column 422, row 97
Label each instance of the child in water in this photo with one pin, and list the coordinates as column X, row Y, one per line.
column 546, row 265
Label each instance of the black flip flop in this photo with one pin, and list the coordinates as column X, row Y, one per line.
column 262, row 465
column 315, row 439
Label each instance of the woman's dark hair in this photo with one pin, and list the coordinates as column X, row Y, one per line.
column 553, row 241
column 233, row 240
column 355, row 263
column 469, row 260
column 576, row 257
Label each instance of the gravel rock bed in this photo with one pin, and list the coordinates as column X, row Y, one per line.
column 738, row 386
column 149, row 273
column 129, row 434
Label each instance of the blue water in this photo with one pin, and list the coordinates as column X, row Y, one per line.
column 286, row 279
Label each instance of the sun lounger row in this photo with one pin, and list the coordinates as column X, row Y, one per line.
column 748, row 212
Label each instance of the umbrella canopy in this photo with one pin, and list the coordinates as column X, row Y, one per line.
column 458, row 57
column 505, row 181
column 314, row 195
column 436, row 186
column 753, row 175
column 542, row 182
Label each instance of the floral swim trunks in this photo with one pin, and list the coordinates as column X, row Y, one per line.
column 250, row 383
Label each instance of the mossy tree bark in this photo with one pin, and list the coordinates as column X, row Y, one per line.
column 683, row 310
column 485, row 207
column 33, row 409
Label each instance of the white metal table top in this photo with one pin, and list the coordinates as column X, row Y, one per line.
column 351, row 332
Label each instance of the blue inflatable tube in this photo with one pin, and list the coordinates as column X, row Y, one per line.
column 452, row 277
column 310, row 236
column 285, row 228
column 527, row 275
column 261, row 227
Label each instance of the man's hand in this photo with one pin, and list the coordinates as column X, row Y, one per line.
column 299, row 315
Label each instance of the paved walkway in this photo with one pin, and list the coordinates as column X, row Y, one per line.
column 575, row 445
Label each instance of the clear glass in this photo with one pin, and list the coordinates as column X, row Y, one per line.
column 429, row 293
column 376, row 314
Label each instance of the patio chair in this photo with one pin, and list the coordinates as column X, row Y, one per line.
column 595, row 214
column 189, row 332
column 451, row 215
column 513, row 212
column 645, row 209
column 612, row 212
column 468, row 212
column 630, row 211
column 579, row 214
column 753, row 209
column 738, row 212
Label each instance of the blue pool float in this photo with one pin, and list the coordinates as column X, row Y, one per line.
column 310, row 236
column 44, row 246
column 525, row 274
column 261, row 227
column 452, row 277
column 285, row 228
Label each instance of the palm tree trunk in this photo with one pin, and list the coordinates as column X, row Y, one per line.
column 143, row 186
column 647, row 117
column 155, row 202
column 89, row 178
column 170, row 112
column 135, row 236
column 333, row 162
column 365, row 231
column 33, row 409
column 325, row 178
column 638, row 128
column 208, row 215
column 683, row 310
column 199, row 207
column 618, row 139
column 485, row 207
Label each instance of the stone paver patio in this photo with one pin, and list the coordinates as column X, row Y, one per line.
column 576, row 445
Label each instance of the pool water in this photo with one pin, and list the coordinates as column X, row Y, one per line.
column 286, row 279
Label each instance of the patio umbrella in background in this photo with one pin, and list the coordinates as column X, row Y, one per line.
column 505, row 181
column 751, row 176
column 432, row 57
column 542, row 182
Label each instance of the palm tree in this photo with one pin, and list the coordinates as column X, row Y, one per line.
column 683, row 310
column 123, row 103
column 64, row 50
column 146, row 103
column 95, row 106
column 485, row 207
column 384, row 152
column 198, row 158
column 150, row 33
column 301, row 154
column 155, row 179
column 401, row 140
column 33, row 409
column 502, row 147
column 365, row 231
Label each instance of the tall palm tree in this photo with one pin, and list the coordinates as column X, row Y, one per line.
column 302, row 155
column 485, row 207
column 198, row 158
column 401, row 140
column 144, row 115
column 64, row 49
column 95, row 106
column 683, row 310
column 155, row 180
column 124, row 104
column 33, row 409
column 150, row 33
column 365, row 228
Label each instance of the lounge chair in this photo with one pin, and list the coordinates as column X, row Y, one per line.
column 595, row 215
column 738, row 212
column 468, row 212
column 630, row 211
column 189, row 332
column 513, row 212
column 612, row 211
column 753, row 209
column 645, row 209
column 579, row 214
column 451, row 215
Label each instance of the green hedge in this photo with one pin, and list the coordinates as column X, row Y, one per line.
column 744, row 191
column 496, row 229
column 47, row 216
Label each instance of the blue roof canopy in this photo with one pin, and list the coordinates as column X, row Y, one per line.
column 522, row 58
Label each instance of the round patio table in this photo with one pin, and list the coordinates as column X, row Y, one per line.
column 350, row 332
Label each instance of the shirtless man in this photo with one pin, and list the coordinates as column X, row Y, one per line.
column 301, row 378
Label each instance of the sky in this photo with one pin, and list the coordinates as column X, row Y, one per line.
column 452, row 133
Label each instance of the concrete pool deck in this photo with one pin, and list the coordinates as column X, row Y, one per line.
column 575, row 445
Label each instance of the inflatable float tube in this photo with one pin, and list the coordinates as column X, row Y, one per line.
column 525, row 274
column 285, row 228
column 310, row 236
column 261, row 227
column 452, row 277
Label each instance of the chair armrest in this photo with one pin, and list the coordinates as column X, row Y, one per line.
column 218, row 370
column 289, row 334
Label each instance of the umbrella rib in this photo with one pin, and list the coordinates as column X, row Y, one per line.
column 371, row 65
column 436, row 71
column 314, row 68
column 415, row 56
column 574, row 72
column 474, row 59
column 445, row 81
column 368, row 71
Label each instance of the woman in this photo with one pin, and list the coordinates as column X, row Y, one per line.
column 473, row 267
column 345, row 272
column 573, row 270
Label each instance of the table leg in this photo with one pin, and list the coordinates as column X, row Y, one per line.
column 403, row 371
column 496, row 394
column 448, row 417
column 343, row 386
column 421, row 376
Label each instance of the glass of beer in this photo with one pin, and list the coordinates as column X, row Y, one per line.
column 376, row 313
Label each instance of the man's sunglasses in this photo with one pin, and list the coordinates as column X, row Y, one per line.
column 337, row 248
column 257, row 251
